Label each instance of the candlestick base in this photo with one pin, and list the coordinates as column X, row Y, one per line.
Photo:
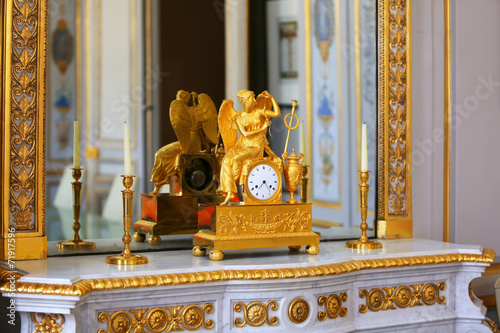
column 75, row 245
column 126, row 257
column 361, row 245
column 131, row 259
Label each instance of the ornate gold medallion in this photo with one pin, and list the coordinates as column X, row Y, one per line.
column 298, row 311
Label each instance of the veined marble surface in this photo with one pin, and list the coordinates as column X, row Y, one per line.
column 411, row 299
column 70, row 269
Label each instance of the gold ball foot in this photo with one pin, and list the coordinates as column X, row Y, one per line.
column 132, row 259
column 216, row 255
column 154, row 239
column 312, row 249
column 138, row 237
column 198, row 251
column 75, row 245
column 294, row 248
column 359, row 245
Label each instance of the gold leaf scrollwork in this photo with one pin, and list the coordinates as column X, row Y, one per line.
column 47, row 323
column 255, row 314
column 381, row 299
column 24, row 87
column 333, row 306
column 167, row 319
column 430, row 293
column 397, row 108
column 298, row 311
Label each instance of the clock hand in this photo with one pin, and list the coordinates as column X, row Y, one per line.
column 268, row 189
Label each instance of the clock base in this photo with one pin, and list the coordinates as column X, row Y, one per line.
column 236, row 227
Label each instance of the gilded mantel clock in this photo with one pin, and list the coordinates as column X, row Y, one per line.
column 262, row 219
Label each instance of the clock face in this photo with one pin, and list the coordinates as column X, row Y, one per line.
column 263, row 181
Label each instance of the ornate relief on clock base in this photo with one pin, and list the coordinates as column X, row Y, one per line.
column 247, row 227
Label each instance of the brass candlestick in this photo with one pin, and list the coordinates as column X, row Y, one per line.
column 303, row 184
column 364, row 243
column 76, row 241
column 126, row 257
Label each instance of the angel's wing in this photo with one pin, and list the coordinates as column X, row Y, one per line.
column 227, row 126
column 181, row 122
column 207, row 114
column 263, row 103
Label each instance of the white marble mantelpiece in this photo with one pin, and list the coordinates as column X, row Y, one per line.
column 81, row 287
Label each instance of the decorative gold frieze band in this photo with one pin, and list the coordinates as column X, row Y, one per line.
column 397, row 135
column 47, row 323
column 333, row 306
column 255, row 314
column 167, row 319
column 298, row 311
column 24, row 118
column 85, row 286
column 394, row 94
column 271, row 220
column 381, row 299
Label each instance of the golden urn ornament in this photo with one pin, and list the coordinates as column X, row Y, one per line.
column 293, row 173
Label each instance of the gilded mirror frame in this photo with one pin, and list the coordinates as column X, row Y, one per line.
column 22, row 122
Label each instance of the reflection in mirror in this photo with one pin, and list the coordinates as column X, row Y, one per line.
column 114, row 61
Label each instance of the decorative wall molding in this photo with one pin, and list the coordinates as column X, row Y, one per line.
column 391, row 298
column 158, row 319
column 333, row 306
column 394, row 168
column 255, row 314
column 23, row 123
column 47, row 323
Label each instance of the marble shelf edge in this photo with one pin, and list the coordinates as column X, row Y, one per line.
column 121, row 281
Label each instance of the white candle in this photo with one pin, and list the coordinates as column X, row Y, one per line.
column 76, row 145
column 126, row 151
column 364, row 149
column 303, row 143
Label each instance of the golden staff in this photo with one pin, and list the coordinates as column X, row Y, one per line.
column 290, row 128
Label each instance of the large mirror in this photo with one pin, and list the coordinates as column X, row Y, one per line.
column 112, row 61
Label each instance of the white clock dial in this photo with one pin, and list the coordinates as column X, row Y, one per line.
column 263, row 181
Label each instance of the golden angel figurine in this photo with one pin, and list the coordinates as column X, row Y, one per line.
column 194, row 123
column 251, row 123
